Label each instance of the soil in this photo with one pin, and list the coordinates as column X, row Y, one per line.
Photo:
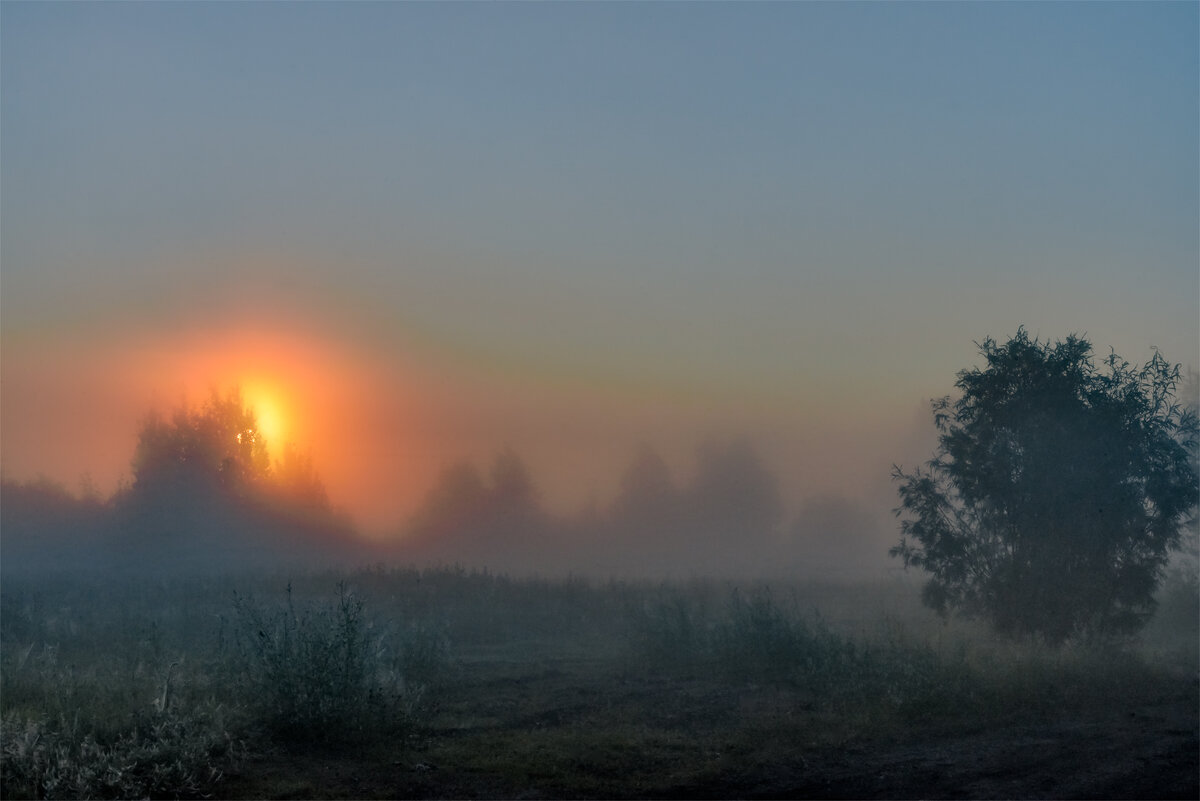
column 555, row 736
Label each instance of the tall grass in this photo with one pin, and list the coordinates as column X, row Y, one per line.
column 108, row 728
column 891, row 675
column 168, row 756
column 325, row 674
column 117, row 691
column 156, row 689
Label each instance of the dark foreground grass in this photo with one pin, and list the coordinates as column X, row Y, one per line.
column 448, row 683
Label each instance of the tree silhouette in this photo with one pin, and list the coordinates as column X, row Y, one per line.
column 215, row 446
column 1057, row 492
column 457, row 503
column 648, row 498
column 513, row 495
column 498, row 522
column 734, row 497
column 204, row 485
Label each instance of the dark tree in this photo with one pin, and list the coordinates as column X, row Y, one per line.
column 1057, row 492
column 215, row 446
column 204, row 488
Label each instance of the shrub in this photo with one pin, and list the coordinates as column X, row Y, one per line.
column 756, row 639
column 321, row 675
column 670, row 631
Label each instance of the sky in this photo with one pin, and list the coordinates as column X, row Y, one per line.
column 414, row 233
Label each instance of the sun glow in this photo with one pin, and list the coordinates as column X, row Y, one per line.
column 269, row 413
column 371, row 427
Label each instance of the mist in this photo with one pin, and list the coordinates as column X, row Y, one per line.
column 725, row 515
column 589, row 400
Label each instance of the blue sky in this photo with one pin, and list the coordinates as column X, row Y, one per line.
column 813, row 206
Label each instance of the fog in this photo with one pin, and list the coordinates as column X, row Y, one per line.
column 240, row 635
column 202, row 497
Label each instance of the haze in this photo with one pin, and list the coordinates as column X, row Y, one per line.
column 418, row 234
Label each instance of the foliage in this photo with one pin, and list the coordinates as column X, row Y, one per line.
column 153, row 689
column 1057, row 493
column 167, row 756
column 321, row 675
column 205, row 493
column 90, row 709
column 218, row 444
column 605, row 686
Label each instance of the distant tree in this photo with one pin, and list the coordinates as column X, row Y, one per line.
column 457, row 503
column 498, row 522
column 512, row 492
column 648, row 497
column 1057, row 492
column 516, row 531
column 734, row 498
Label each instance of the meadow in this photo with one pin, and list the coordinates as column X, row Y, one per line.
column 447, row 682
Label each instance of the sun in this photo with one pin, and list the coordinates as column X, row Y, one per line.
column 269, row 412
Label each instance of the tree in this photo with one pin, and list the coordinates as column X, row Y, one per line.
column 215, row 446
column 1057, row 491
column 204, row 488
column 648, row 501
column 734, row 494
column 513, row 495
column 456, row 504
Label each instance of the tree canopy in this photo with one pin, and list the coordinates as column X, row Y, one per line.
column 1057, row 491
column 204, row 483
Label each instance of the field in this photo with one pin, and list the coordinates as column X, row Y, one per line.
column 392, row 683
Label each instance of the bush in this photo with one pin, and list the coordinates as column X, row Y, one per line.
column 755, row 639
column 321, row 675
column 761, row 640
column 669, row 632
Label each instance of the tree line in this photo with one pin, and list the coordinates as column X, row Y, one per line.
column 1058, row 492
column 203, row 494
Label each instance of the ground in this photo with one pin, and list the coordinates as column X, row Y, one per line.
column 572, row 728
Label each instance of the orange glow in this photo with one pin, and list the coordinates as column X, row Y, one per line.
column 269, row 405
column 363, row 417
column 381, row 419
column 352, row 416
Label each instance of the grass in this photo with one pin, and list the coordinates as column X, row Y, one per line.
column 118, row 692
column 164, row 756
column 323, row 675
column 469, row 683
column 895, row 677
